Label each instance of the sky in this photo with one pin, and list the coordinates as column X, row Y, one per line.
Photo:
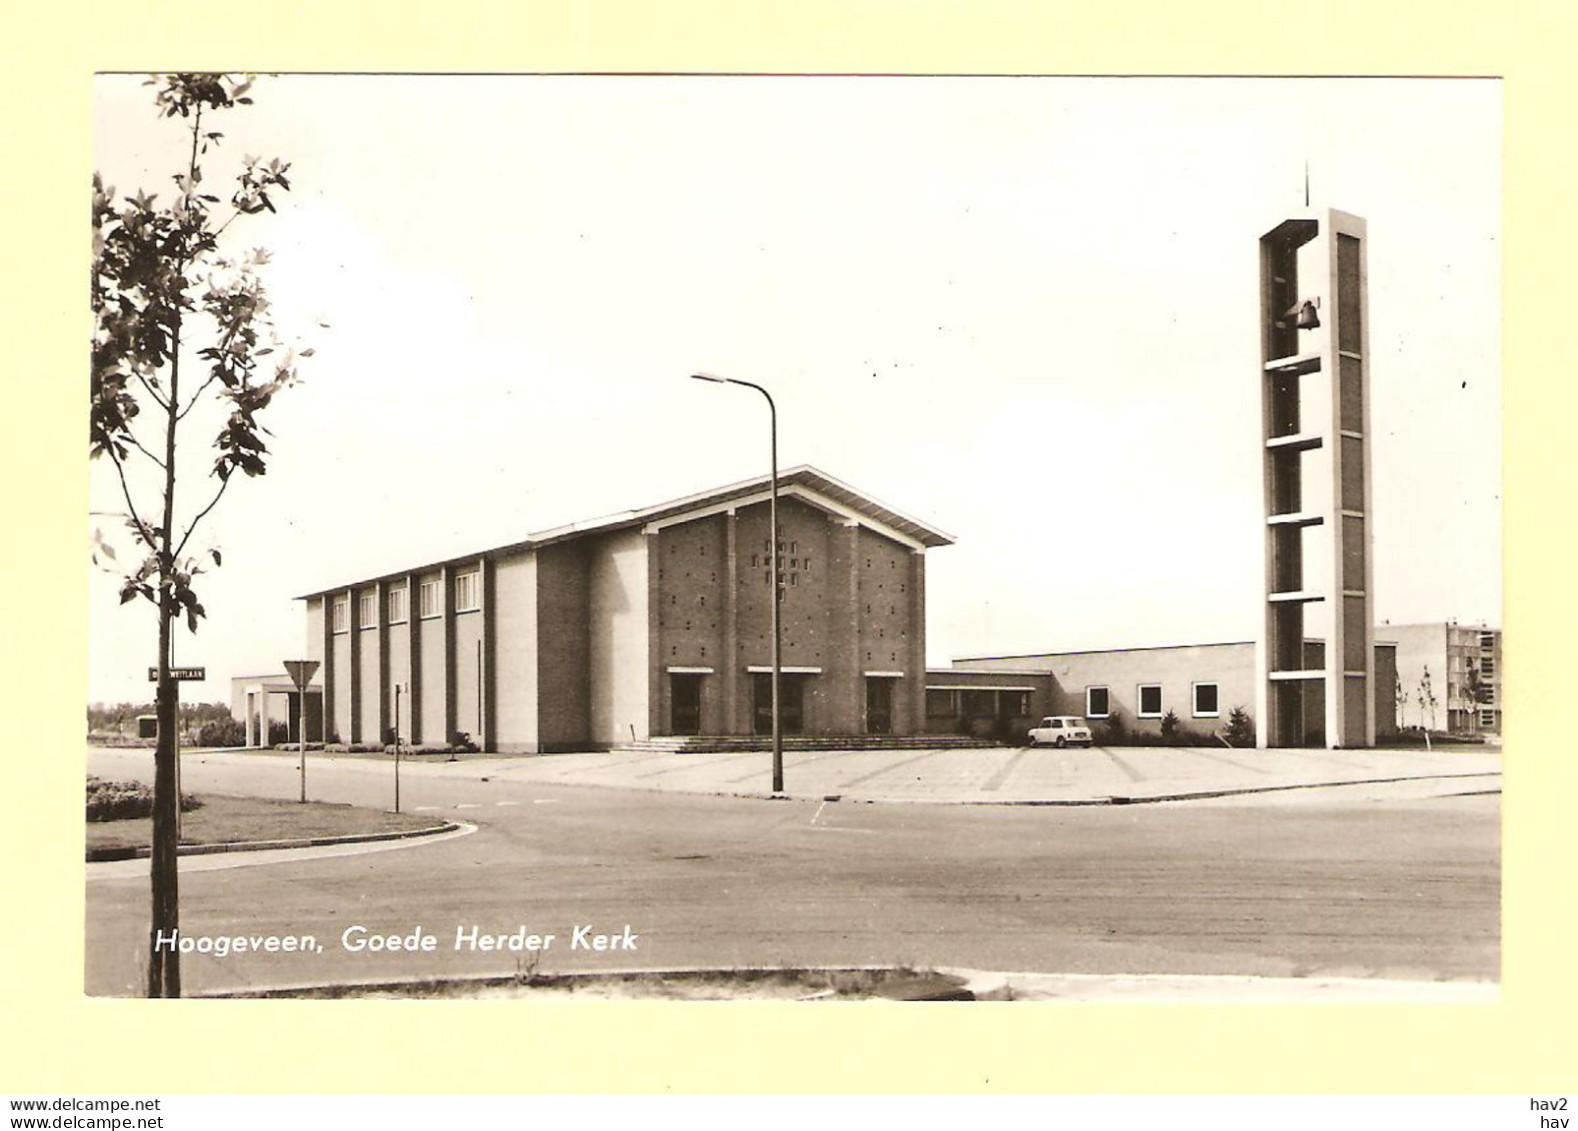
column 1022, row 310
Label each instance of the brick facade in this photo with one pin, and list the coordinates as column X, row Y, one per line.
column 584, row 639
column 848, row 608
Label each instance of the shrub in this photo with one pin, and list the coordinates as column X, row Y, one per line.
column 461, row 741
column 278, row 732
column 224, row 732
column 1240, row 728
column 125, row 800
column 976, row 727
column 1113, row 732
column 1170, row 733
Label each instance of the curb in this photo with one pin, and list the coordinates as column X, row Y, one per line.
column 102, row 855
column 1032, row 986
column 935, row 983
column 1207, row 794
column 932, row 984
column 1085, row 802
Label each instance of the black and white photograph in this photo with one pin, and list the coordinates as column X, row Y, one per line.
column 701, row 537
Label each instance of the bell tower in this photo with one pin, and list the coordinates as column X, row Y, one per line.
column 1315, row 689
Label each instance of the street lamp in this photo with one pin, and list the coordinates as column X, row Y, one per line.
column 772, row 410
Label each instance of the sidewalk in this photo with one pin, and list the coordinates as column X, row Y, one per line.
column 1021, row 776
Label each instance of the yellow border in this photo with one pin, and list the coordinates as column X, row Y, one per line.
column 56, row 1040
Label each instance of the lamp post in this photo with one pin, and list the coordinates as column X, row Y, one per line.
column 397, row 747
column 772, row 411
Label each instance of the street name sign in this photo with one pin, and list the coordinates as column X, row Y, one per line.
column 179, row 674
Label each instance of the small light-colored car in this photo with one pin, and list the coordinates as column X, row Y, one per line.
column 1061, row 730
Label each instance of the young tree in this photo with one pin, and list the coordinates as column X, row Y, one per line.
column 1474, row 687
column 1427, row 703
column 166, row 298
column 1170, row 728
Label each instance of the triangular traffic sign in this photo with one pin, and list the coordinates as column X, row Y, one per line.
column 300, row 672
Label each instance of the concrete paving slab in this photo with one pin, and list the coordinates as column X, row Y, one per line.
column 993, row 776
column 1022, row 775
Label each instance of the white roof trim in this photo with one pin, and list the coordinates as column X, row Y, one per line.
column 784, row 476
column 789, row 491
column 794, row 480
column 877, row 502
column 940, row 672
column 974, row 687
column 283, row 685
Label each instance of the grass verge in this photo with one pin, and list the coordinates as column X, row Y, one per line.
column 380, row 755
column 226, row 820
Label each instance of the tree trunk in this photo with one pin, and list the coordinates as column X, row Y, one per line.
column 164, row 960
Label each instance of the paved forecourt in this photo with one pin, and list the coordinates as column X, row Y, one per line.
column 1007, row 775
column 1021, row 775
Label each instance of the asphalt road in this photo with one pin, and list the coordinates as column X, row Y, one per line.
column 1357, row 884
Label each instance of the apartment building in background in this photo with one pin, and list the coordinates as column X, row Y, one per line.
column 1463, row 662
